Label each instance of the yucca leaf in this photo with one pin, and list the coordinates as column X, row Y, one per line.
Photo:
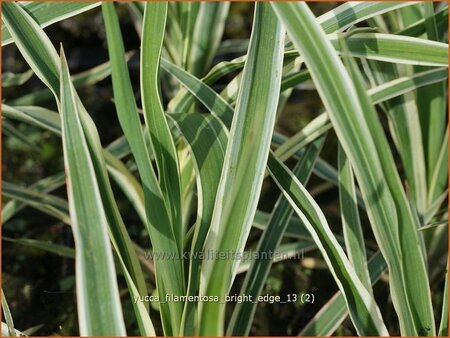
column 395, row 49
column 406, row 132
column 255, row 279
column 408, row 15
column 350, row 13
column 57, row 249
column 432, row 106
column 37, row 116
column 294, row 79
column 177, row 31
column 199, row 130
column 430, row 21
column 208, row 30
column 406, row 84
column 419, row 27
column 163, row 146
column 25, row 32
column 47, row 13
column 244, row 163
column 351, row 223
column 11, row 79
column 188, row 14
column 174, row 45
column 169, row 273
column 51, row 205
column 374, row 167
column 8, row 316
column 391, row 48
column 118, row 233
column 44, row 185
column 95, row 272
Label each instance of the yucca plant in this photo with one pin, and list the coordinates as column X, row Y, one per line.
column 199, row 141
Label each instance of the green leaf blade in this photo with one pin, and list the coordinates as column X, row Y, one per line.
column 47, row 13
column 351, row 223
column 95, row 272
column 169, row 272
column 26, row 33
column 244, row 163
column 198, row 130
column 163, row 145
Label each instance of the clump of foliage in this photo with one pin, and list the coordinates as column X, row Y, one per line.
column 200, row 138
